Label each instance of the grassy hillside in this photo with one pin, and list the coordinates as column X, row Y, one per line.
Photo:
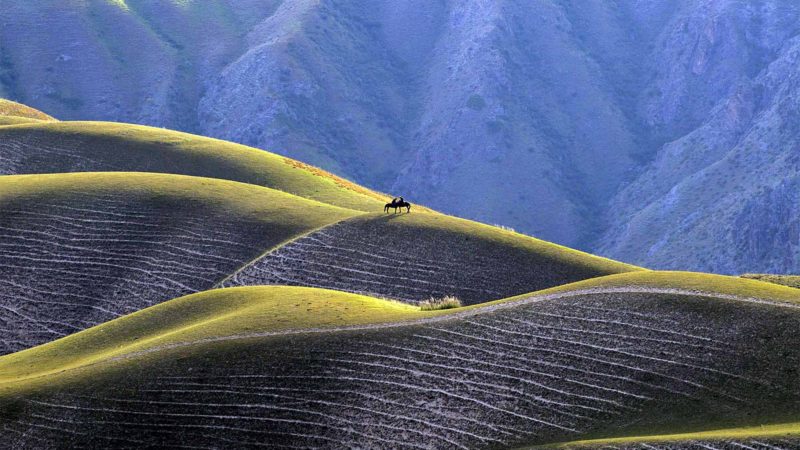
column 81, row 249
column 9, row 108
column 412, row 257
column 783, row 435
column 625, row 355
column 14, row 120
column 785, row 280
column 100, row 146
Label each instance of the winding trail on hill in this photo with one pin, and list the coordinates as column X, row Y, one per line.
column 544, row 368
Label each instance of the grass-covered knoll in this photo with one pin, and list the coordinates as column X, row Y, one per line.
column 691, row 281
column 235, row 366
column 14, row 120
column 789, row 432
column 208, row 315
column 102, row 146
column 13, row 109
column 412, row 257
column 785, row 280
column 83, row 248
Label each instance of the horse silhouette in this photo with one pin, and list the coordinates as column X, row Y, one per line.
column 401, row 204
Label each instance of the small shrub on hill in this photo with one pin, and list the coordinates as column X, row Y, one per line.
column 445, row 302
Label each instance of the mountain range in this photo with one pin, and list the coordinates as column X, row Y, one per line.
column 658, row 132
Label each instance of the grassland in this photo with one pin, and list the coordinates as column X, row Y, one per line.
column 725, row 436
column 9, row 108
column 209, row 315
column 785, row 280
column 101, row 147
column 15, row 120
column 83, row 248
column 231, row 312
column 113, row 273
column 574, row 362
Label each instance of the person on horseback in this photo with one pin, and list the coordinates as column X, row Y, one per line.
column 397, row 202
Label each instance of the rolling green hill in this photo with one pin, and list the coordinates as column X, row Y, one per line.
column 101, row 147
column 12, row 109
column 86, row 247
column 643, row 353
column 80, row 249
column 170, row 290
column 785, row 280
column 783, row 435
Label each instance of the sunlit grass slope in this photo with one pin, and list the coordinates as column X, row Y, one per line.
column 693, row 281
column 635, row 354
column 231, row 312
column 256, row 202
column 101, row 146
column 15, row 120
column 209, row 315
column 79, row 249
column 726, row 435
column 785, row 280
column 10, row 108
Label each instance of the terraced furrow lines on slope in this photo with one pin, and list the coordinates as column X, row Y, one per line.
column 549, row 369
column 414, row 257
column 77, row 255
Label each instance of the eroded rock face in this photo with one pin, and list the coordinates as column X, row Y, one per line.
column 549, row 371
column 720, row 199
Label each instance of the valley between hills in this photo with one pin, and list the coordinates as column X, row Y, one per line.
column 162, row 289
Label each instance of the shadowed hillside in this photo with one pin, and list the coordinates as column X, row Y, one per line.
column 612, row 356
column 82, row 249
column 412, row 257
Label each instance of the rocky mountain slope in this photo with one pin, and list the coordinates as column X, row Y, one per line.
column 658, row 132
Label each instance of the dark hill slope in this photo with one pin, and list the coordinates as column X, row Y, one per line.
column 81, row 249
column 412, row 257
column 607, row 357
column 101, row 146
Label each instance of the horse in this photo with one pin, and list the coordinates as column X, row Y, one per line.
column 396, row 205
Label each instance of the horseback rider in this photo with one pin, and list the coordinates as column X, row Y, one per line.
column 397, row 202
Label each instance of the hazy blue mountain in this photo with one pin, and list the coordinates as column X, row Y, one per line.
column 660, row 132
